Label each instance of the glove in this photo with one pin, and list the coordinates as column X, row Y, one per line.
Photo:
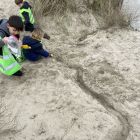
column 25, row 47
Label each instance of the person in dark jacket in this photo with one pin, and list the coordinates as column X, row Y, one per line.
column 36, row 48
column 27, row 16
column 11, row 26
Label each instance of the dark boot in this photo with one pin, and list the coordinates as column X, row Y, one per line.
column 18, row 73
column 46, row 36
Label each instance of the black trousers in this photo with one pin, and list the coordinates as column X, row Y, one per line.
column 0, row 51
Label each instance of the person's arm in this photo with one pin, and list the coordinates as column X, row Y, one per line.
column 2, row 35
column 26, row 17
column 2, row 44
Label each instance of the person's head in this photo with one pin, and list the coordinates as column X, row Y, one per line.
column 15, row 25
column 37, row 33
column 19, row 2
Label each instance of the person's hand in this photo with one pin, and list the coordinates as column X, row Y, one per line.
column 5, row 40
column 51, row 55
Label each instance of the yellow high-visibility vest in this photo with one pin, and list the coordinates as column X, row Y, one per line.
column 8, row 64
column 31, row 17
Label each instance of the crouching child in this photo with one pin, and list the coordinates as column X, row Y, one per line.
column 35, row 50
column 8, row 63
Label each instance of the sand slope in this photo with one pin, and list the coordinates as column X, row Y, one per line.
column 89, row 90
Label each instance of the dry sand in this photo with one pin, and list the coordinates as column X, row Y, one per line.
column 89, row 90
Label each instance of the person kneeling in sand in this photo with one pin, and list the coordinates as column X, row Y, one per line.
column 36, row 49
column 8, row 63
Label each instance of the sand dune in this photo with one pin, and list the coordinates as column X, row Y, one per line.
column 89, row 90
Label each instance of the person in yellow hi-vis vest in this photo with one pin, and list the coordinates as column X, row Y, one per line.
column 8, row 63
column 27, row 16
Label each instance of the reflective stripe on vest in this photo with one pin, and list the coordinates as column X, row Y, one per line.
column 8, row 67
column 31, row 17
column 6, row 57
column 11, row 66
column 8, row 64
column 2, row 67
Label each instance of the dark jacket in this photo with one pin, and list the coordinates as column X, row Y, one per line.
column 28, row 25
column 4, row 31
column 33, row 43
